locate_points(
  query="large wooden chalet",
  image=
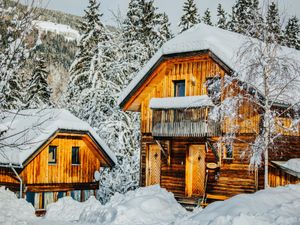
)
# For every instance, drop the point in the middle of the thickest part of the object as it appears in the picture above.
(48, 154)
(178, 140)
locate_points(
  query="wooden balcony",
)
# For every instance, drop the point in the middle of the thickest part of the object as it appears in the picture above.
(191, 122)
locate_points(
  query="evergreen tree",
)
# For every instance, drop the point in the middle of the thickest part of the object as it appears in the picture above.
(239, 16)
(222, 20)
(15, 26)
(247, 19)
(190, 16)
(273, 24)
(145, 27)
(92, 34)
(39, 92)
(291, 33)
(207, 17)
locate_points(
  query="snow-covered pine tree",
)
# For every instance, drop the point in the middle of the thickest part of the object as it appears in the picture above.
(291, 33)
(190, 16)
(207, 17)
(145, 28)
(39, 92)
(164, 33)
(222, 19)
(92, 34)
(273, 24)
(15, 26)
(152, 23)
(247, 18)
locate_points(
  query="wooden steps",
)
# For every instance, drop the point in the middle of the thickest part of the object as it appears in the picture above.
(189, 203)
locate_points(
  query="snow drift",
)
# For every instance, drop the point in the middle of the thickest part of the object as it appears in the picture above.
(147, 205)
(267, 207)
(13, 210)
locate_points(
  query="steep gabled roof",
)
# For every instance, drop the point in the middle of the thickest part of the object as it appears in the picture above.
(26, 131)
(222, 44)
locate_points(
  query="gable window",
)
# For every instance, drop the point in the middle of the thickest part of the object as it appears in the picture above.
(52, 154)
(179, 88)
(75, 156)
(228, 151)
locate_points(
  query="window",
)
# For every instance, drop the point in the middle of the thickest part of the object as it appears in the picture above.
(75, 155)
(179, 88)
(228, 151)
(52, 154)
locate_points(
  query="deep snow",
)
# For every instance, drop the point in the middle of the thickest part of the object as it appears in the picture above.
(155, 206)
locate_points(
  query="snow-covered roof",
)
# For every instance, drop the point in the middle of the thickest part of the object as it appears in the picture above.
(292, 166)
(180, 102)
(28, 130)
(222, 43)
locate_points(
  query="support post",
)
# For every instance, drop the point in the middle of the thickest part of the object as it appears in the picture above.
(20, 179)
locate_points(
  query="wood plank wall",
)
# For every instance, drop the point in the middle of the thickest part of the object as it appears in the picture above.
(39, 171)
(193, 70)
(233, 177)
(278, 177)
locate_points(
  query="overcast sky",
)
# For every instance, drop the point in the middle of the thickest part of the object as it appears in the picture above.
(172, 7)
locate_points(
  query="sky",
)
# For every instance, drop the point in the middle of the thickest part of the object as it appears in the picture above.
(172, 7)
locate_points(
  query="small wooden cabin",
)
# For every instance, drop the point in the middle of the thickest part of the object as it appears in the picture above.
(179, 146)
(48, 154)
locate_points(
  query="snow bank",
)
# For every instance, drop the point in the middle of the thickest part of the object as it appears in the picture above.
(67, 209)
(267, 207)
(148, 205)
(293, 164)
(14, 211)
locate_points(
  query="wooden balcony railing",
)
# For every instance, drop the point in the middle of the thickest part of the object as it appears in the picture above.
(192, 122)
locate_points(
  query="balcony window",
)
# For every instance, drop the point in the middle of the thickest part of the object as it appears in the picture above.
(179, 88)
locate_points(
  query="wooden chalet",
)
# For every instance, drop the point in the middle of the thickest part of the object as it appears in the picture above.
(179, 147)
(48, 154)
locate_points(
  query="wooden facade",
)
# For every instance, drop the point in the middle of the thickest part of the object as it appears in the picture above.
(192, 163)
(44, 181)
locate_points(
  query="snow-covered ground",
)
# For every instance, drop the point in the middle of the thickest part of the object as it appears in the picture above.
(65, 30)
(155, 206)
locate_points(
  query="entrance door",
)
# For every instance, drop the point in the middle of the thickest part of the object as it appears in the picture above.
(153, 165)
(195, 170)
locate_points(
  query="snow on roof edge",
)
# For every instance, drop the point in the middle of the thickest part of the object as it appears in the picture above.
(181, 102)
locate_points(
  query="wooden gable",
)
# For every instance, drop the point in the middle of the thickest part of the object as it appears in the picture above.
(194, 68)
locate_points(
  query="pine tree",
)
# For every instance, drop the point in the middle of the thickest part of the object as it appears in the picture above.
(145, 27)
(15, 27)
(222, 20)
(291, 33)
(247, 19)
(207, 17)
(239, 16)
(190, 16)
(39, 92)
(273, 24)
(92, 34)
